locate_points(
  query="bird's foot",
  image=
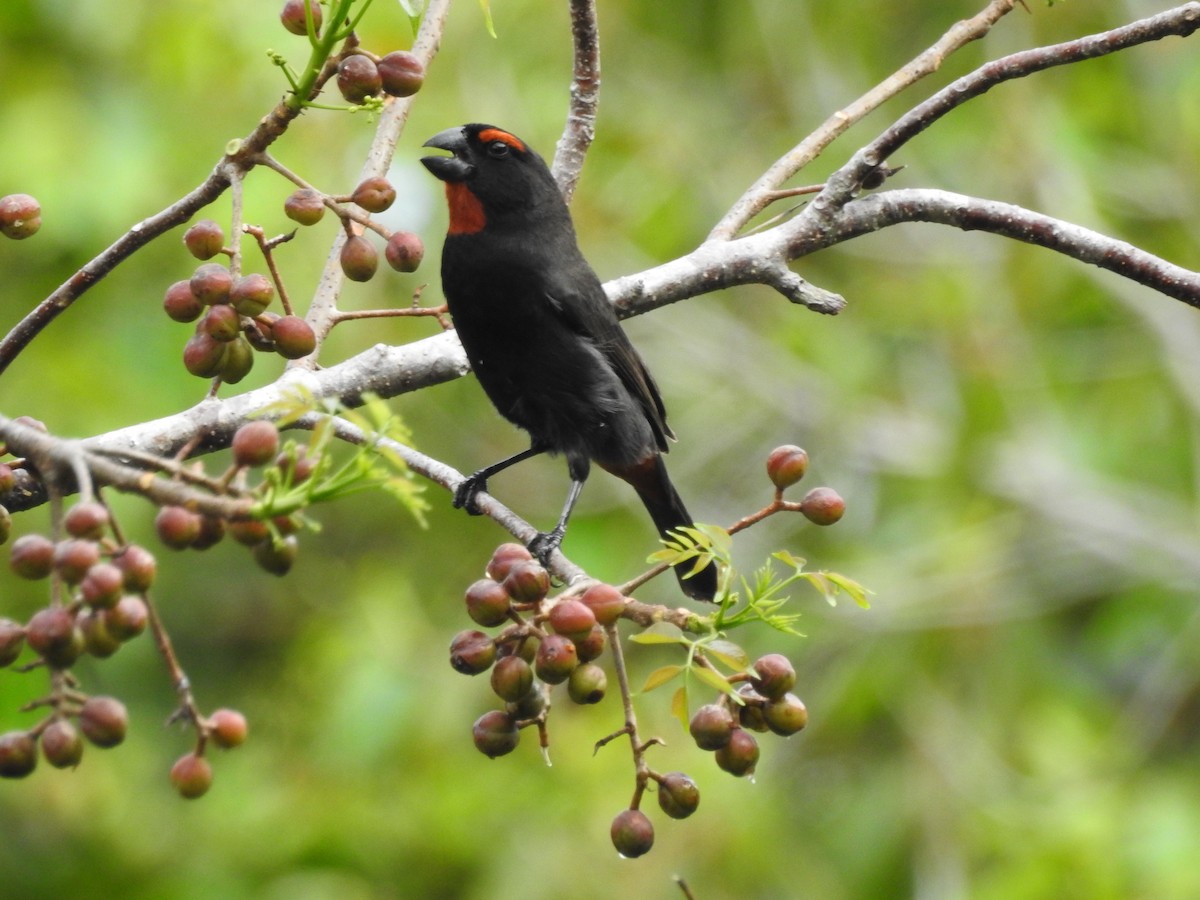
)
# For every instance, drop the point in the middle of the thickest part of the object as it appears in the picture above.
(466, 492)
(544, 545)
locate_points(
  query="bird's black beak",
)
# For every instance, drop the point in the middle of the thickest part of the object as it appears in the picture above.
(449, 168)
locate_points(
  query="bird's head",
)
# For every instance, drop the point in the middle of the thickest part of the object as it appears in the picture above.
(489, 172)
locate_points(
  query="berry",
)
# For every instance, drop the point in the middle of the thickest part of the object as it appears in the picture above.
(527, 582)
(293, 337)
(203, 355)
(571, 618)
(74, 557)
(12, 639)
(532, 705)
(18, 754)
(305, 207)
(249, 532)
(222, 323)
(104, 721)
(212, 530)
(53, 635)
(472, 652)
(20, 216)
(98, 641)
(180, 304)
(786, 465)
(487, 602)
(711, 726)
(137, 565)
(7, 479)
(102, 586)
(740, 755)
(786, 716)
(128, 618)
(605, 602)
(192, 776)
(404, 251)
(632, 833)
(512, 678)
(503, 559)
(205, 239)
(495, 733)
(62, 744)
(358, 78)
(359, 258)
(374, 194)
(252, 294)
(32, 556)
(592, 646)
(293, 16)
(587, 684)
(210, 283)
(237, 361)
(177, 527)
(276, 556)
(401, 73)
(229, 728)
(86, 520)
(750, 713)
(556, 658)
(678, 795)
(773, 676)
(822, 506)
(255, 443)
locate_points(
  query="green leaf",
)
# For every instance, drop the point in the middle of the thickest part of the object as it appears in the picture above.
(679, 706)
(729, 653)
(657, 635)
(713, 679)
(858, 593)
(660, 676)
(787, 558)
(486, 6)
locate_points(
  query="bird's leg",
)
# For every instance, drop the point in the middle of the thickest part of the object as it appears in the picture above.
(469, 487)
(547, 542)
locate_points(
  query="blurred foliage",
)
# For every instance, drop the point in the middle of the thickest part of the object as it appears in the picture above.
(1015, 435)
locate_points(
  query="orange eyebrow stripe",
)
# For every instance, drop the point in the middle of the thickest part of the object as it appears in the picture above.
(495, 134)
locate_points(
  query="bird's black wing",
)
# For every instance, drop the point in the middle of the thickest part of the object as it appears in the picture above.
(575, 294)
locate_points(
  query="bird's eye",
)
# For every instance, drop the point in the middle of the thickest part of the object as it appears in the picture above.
(498, 149)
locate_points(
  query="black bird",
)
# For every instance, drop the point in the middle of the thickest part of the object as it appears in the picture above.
(541, 335)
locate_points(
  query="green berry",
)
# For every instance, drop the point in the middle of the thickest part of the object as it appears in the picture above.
(786, 716)
(587, 684)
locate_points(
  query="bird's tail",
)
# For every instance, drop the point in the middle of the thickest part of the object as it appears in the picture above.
(653, 486)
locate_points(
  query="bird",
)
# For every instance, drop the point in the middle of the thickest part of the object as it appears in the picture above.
(542, 337)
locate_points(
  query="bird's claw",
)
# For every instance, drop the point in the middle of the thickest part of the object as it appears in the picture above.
(466, 492)
(545, 543)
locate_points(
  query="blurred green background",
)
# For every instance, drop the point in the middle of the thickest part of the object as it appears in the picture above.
(1015, 435)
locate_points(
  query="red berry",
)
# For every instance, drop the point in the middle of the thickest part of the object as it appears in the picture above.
(786, 716)
(251, 294)
(181, 304)
(104, 721)
(18, 754)
(711, 726)
(12, 639)
(32, 556)
(504, 557)
(177, 527)
(786, 465)
(228, 728)
(632, 833)
(210, 283)
(404, 251)
(773, 676)
(472, 652)
(401, 73)
(101, 587)
(205, 239)
(359, 258)
(305, 206)
(374, 194)
(512, 678)
(222, 323)
(293, 337)
(605, 602)
(487, 602)
(203, 355)
(86, 520)
(678, 795)
(128, 618)
(192, 776)
(62, 744)
(527, 582)
(20, 216)
(740, 755)
(255, 443)
(293, 17)
(556, 658)
(358, 78)
(572, 618)
(495, 733)
(138, 566)
(822, 506)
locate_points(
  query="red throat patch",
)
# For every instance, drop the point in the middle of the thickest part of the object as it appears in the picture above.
(466, 212)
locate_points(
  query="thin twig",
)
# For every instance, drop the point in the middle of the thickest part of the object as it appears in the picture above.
(580, 127)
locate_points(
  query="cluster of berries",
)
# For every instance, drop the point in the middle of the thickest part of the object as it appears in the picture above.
(538, 648)
(273, 544)
(231, 315)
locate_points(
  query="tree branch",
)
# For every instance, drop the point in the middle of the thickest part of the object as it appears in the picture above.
(580, 128)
